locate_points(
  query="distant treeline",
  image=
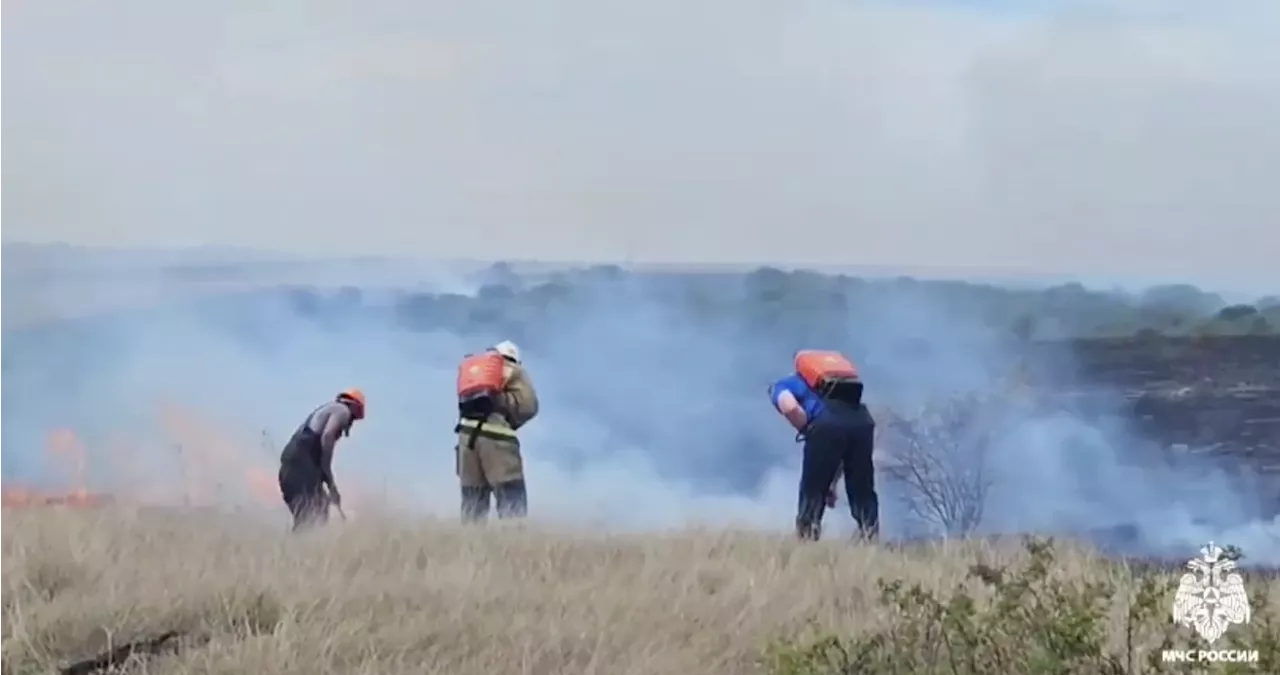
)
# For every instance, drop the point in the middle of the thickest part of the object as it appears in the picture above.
(776, 299)
(766, 301)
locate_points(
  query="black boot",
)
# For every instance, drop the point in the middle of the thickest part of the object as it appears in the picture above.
(475, 504)
(808, 530)
(868, 533)
(513, 499)
(866, 512)
(809, 516)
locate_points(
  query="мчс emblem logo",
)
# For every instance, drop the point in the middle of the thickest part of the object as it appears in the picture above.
(1211, 597)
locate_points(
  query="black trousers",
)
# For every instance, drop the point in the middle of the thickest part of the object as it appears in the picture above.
(303, 492)
(302, 483)
(842, 438)
(302, 480)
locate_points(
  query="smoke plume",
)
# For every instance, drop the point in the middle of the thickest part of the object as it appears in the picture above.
(654, 411)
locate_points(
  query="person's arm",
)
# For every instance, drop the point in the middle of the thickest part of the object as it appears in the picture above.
(786, 403)
(334, 424)
(520, 401)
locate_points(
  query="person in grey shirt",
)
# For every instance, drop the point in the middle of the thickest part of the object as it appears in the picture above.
(306, 464)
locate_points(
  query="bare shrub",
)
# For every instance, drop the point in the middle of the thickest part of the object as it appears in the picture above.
(939, 454)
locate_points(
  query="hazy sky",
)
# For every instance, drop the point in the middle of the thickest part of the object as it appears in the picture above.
(1095, 137)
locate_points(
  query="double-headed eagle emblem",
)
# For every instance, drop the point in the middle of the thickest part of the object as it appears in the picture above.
(1211, 597)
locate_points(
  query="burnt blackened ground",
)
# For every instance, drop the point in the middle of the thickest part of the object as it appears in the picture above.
(1212, 403)
(1217, 396)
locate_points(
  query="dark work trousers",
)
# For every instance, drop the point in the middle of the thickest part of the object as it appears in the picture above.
(512, 497)
(301, 481)
(842, 437)
(476, 500)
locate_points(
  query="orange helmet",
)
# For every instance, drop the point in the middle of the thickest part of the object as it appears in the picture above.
(355, 396)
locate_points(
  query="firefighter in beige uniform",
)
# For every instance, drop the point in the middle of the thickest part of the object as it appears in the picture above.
(495, 399)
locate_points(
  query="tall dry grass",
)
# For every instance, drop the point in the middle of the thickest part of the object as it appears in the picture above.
(391, 596)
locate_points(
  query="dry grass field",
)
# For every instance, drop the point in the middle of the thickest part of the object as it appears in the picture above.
(393, 597)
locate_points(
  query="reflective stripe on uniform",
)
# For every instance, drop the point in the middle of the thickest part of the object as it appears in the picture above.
(489, 428)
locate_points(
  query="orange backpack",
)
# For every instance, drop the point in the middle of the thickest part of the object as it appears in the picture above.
(480, 381)
(829, 374)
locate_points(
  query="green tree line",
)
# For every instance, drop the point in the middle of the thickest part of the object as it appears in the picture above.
(769, 297)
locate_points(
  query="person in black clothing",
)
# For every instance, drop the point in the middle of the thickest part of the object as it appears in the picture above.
(822, 400)
(841, 440)
(306, 464)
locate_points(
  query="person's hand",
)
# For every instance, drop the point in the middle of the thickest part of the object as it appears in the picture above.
(335, 497)
(831, 498)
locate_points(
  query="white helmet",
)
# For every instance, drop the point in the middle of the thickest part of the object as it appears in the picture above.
(508, 349)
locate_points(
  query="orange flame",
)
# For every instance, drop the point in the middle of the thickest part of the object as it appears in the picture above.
(65, 445)
(216, 468)
(208, 454)
(211, 451)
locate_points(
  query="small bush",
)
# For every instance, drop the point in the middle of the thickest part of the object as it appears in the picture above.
(1029, 622)
(938, 455)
